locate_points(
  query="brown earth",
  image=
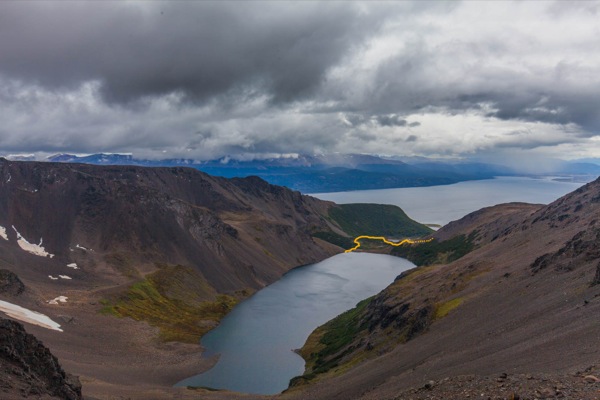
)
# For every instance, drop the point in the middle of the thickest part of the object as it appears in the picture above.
(524, 302)
(119, 224)
(28, 369)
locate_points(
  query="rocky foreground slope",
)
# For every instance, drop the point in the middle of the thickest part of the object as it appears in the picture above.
(96, 249)
(506, 305)
(28, 369)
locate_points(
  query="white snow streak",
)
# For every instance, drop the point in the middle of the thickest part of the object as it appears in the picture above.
(65, 277)
(83, 248)
(52, 277)
(72, 265)
(31, 317)
(3, 234)
(35, 249)
(61, 299)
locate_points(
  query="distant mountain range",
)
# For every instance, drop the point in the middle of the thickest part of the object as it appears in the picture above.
(340, 172)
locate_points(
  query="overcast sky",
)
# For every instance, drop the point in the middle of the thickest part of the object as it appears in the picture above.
(207, 79)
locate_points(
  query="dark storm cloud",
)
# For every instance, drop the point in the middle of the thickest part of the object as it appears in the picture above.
(391, 120)
(199, 49)
(387, 120)
(206, 79)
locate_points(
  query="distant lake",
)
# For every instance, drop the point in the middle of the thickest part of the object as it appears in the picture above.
(255, 341)
(442, 204)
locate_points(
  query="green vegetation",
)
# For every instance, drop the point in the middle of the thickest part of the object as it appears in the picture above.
(322, 346)
(443, 309)
(370, 219)
(177, 300)
(334, 238)
(436, 252)
(376, 220)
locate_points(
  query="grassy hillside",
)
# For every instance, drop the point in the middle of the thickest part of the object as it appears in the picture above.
(376, 219)
(436, 252)
(370, 219)
(175, 299)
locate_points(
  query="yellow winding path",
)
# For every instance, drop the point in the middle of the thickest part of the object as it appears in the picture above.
(384, 240)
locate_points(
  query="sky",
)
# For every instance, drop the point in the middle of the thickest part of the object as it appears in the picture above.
(202, 80)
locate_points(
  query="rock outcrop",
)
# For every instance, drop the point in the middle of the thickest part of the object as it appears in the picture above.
(10, 284)
(29, 370)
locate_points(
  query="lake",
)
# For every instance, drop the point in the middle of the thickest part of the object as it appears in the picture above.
(256, 340)
(442, 204)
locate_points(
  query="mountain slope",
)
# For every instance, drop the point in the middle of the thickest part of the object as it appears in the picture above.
(28, 369)
(134, 264)
(523, 300)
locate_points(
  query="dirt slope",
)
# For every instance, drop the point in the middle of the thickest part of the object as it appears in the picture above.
(137, 263)
(524, 300)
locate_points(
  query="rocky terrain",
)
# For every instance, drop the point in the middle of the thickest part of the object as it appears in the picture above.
(133, 264)
(511, 289)
(28, 369)
(129, 266)
(580, 385)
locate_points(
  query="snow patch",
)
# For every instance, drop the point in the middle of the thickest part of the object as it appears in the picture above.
(73, 265)
(31, 317)
(36, 249)
(82, 248)
(52, 277)
(9, 178)
(59, 299)
(3, 234)
(65, 277)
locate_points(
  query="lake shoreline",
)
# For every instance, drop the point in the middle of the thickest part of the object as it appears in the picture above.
(281, 316)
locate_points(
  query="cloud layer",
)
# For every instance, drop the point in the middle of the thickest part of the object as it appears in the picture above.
(207, 79)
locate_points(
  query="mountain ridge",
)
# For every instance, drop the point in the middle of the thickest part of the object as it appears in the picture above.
(521, 300)
(343, 172)
(130, 257)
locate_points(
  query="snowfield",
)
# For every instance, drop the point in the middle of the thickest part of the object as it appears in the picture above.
(32, 317)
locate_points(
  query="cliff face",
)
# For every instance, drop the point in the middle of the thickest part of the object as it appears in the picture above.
(511, 288)
(28, 369)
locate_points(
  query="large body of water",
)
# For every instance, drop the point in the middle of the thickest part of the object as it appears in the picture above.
(442, 204)
(256, 339)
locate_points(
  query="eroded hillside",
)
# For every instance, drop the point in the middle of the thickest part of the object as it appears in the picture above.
(132, 265)
(508, 289)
